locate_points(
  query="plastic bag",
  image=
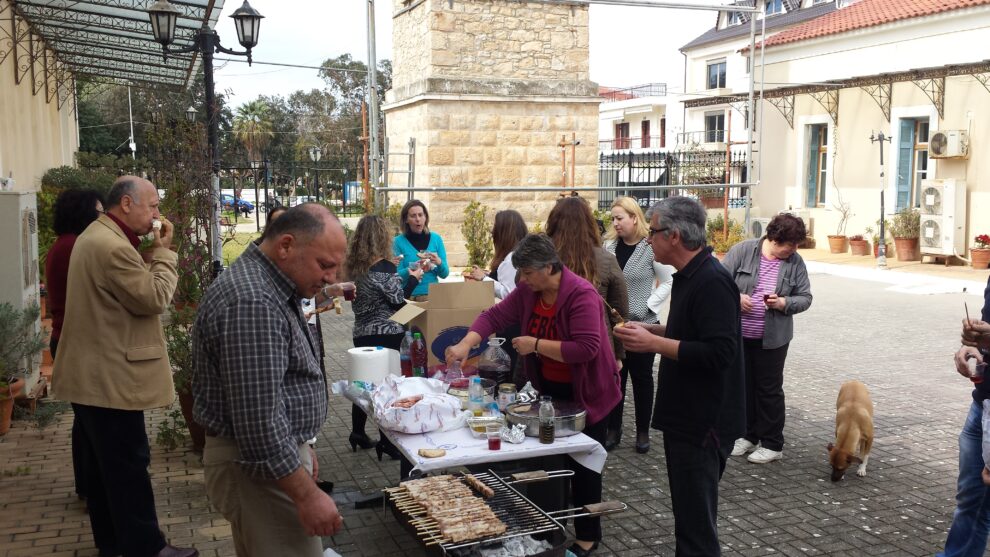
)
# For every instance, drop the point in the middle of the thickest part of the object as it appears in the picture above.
(433, 408)
(495, 363)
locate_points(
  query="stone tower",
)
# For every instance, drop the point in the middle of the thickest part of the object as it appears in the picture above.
(488, 88)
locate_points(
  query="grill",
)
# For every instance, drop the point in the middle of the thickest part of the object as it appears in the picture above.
(520, 515)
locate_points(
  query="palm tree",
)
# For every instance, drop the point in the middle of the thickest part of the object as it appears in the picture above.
(253, 128)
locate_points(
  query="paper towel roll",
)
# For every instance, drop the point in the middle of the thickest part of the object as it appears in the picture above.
(368, 364)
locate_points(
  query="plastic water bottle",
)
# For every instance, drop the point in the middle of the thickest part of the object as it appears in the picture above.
(405, 355)
(418, 354)
(476, 396)
(547, 415)
(454, 372)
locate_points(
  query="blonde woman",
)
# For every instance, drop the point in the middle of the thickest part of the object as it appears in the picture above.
(648, 284)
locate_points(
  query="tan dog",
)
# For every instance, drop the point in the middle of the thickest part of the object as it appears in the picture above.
(853, 430)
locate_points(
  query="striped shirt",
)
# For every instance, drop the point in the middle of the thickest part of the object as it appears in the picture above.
(766, 283)
(256, 367)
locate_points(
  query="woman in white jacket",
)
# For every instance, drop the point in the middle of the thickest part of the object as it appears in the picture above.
(648, 283)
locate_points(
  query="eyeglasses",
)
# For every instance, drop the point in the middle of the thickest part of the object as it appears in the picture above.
(658, 230)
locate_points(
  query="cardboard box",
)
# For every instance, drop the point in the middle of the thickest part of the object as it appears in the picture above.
(444, 320)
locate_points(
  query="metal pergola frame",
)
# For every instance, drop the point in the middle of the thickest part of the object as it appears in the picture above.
(56, 42)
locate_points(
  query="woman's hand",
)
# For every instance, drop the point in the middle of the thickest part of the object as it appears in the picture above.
(962, 356)
(418, 273)
(456, 353)
(478, 273)
(524, 345)
(778, 303)
(433, 257)
(745, 303)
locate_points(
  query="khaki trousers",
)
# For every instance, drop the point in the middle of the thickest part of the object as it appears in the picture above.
(263, 518)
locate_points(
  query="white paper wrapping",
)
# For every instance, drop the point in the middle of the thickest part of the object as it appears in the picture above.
(436, 411)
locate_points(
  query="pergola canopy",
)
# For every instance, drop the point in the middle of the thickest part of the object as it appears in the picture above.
(106, 41)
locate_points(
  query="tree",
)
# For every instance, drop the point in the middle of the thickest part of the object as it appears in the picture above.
(253, 127)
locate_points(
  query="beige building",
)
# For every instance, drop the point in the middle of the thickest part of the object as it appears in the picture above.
(906, 68)
(489, 89)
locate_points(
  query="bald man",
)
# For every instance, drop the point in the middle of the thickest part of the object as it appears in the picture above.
(259, 390)
(112, 364)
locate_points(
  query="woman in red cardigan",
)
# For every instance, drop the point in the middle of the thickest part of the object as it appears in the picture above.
(566, 350)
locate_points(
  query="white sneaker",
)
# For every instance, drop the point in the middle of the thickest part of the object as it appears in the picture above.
(742, 447)
(764, 455)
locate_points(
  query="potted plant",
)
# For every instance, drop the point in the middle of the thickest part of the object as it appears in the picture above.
(178, 340)
(859, 245)
(906, 229)
(716, 237)
(20, 342)
(875, 237)
(980, 253)
(838, 242)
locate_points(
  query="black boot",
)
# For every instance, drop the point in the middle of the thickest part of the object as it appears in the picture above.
(360, 440)
(384, 446)
(612, 439)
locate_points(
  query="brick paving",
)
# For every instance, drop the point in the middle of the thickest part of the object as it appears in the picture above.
(899, 344)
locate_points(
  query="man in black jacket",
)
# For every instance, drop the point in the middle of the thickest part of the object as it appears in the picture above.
(700, 396)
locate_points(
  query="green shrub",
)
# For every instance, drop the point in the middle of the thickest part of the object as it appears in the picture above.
(477, 235)
(906, 223)
(716, 237)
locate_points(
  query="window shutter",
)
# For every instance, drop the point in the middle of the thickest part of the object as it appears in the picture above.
(905, 152)
(812, 166)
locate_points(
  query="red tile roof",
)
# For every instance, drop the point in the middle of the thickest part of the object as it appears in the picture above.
(868, 13)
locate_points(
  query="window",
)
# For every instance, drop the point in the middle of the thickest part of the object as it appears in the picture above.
(733, 18)
(912, 161)
(817, 164)
(663, 132)
(716, 74)
(714, 127)
(622, 135)
(774, 7)
(644, 134)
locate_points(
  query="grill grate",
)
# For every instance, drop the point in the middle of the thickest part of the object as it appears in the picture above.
(521, 516)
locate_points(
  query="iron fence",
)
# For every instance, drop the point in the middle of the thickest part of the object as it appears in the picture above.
(611, 94)
(648, 177)
(619, 143)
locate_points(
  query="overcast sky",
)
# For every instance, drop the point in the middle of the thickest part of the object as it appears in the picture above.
(629, 45)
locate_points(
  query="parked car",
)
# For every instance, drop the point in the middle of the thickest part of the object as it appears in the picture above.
(243, 206)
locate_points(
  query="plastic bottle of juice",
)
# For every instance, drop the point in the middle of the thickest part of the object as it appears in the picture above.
(405, 355)
(547, 415)
(418, 354)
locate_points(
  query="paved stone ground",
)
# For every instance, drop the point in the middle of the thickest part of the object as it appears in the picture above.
(899, 344)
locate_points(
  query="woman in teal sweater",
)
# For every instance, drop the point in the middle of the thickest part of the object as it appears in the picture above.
(417, 245)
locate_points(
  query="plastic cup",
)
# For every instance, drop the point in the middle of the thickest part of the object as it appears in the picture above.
(414, 265)
(494, 434)
(977, 372)
(349, 290)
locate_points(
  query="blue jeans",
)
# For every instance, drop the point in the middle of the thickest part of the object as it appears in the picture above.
(971, 521)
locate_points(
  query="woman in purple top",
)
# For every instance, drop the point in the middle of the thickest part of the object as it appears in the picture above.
(773, 285)
(566, 350)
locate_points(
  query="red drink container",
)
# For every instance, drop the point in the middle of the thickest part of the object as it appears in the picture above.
(494, 443)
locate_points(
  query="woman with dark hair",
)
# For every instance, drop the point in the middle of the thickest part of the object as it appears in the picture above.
(417, 248)
(773, 285)
(74, 211)
(380, 293)
(508, 230)
(567, 353)
(574, 230)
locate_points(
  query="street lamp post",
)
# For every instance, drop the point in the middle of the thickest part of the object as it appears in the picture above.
(314, 155)
(163, 16)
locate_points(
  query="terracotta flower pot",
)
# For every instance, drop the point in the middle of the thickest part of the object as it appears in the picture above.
(859, 247)
(196, 431)
(907, 249)
(876, 249)
(980, 257)
(7, 404)
(838, 244)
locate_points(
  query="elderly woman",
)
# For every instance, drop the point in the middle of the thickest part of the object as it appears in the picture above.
(566, 349)
(773, 285)
(648, 284)
(418, 247)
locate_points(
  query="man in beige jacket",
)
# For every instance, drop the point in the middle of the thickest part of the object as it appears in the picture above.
(112, 364)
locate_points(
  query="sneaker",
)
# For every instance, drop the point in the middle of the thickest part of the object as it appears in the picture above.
(742, 447)
(764, 455)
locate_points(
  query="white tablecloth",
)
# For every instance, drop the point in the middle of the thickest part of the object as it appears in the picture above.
(463, 449)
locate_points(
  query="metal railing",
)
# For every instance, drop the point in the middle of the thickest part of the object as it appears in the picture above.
(701, 137)
(611, 94)
(620, 143)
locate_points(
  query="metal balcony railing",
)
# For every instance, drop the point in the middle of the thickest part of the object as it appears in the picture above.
(612, 94)
(620, 143)
(709, 136)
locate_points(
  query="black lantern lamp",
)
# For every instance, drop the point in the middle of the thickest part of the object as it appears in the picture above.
(248, 22)
(190, 114)
(163, 18)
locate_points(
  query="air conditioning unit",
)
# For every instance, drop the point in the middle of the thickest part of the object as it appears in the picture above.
(758, 227)
(943, 216)
(949, 144)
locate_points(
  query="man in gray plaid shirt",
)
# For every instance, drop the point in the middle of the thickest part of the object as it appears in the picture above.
(259, 391)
